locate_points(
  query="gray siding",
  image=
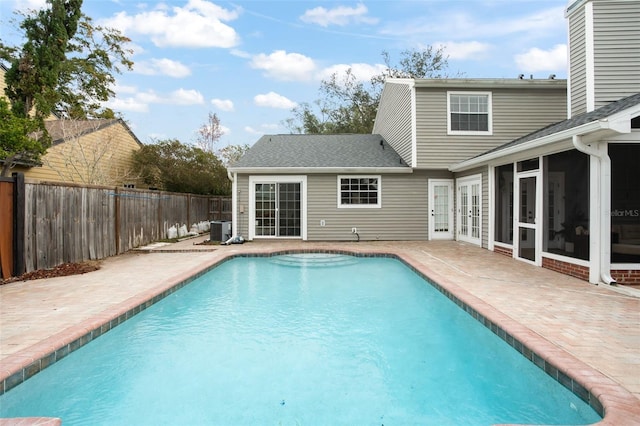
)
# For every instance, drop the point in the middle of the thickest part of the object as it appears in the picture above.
(243, 204)
(393, 120)
(616, 50)
(516, 112)
(577, 63)
(403, 215)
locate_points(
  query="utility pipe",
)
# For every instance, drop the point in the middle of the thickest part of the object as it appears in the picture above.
(603, 199)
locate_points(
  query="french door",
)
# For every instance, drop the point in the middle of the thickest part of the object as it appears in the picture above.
(470, 209)
(440, 209)
(277, 209)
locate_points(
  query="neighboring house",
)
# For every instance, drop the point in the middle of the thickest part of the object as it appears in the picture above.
(88, 152)
(495, 163)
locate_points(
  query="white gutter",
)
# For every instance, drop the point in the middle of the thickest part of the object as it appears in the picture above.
(600, 202)
(527, 146)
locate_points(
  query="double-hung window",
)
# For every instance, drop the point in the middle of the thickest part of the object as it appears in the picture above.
(469, 113)
(359, 191)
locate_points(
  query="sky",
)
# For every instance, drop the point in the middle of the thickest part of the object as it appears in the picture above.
(251, 61)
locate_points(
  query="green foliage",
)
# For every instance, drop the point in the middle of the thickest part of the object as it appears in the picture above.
(32, 79)
(350, 106)
(232, 153)
(172, 166)
(19, 141)
(65, 65)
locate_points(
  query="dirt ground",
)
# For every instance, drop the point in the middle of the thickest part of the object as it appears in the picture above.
(59, 271)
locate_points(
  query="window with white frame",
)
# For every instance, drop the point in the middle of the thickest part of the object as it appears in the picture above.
(358, 191)
(469, 113)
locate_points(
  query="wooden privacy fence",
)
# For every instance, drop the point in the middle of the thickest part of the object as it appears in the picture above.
(68, 223)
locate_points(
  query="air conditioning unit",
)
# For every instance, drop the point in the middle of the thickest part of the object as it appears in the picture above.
(221, 230)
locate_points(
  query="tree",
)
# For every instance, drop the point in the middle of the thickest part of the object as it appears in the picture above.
(173, 166)
(65, 65)
(349, 105)
(91, 153)
(209, 133)
(20, 141)
(232, 153)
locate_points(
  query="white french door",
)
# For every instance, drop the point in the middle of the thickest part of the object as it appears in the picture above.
(440, 209)
(469, 209)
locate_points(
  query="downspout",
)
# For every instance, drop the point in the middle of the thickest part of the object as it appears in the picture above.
(603, 195)
(234, 216)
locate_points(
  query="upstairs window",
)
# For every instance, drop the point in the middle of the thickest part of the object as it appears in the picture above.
(358, 191)
(469, 113)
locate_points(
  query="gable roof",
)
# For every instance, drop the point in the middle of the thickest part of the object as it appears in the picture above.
(596, 120)
(321, 153)
(62, 130)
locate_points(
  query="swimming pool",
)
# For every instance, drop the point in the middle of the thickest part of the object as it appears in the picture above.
(299, 339)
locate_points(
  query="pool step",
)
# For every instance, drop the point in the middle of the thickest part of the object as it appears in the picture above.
(314, 259)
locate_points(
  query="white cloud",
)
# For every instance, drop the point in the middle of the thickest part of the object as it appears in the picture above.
(127, 104)
(362, 72)
(185, 97)
(253, 131)
(281, 65)
(340, 16)
(274, 100)
(223, 104)
(24, 5)
(535, 59)
(197, 24)
(137, 101)
(463, 50)
(162, 67)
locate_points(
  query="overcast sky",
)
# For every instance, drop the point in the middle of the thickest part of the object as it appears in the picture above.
(251, 62)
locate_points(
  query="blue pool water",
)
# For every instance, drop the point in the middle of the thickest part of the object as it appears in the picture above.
(299, 340)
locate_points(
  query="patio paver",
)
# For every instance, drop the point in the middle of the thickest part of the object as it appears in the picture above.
(590, 332)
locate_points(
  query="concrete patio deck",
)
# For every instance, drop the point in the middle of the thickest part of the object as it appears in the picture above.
(591, 334)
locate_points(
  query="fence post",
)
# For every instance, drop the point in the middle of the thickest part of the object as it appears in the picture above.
(117, 219)
(18, 223)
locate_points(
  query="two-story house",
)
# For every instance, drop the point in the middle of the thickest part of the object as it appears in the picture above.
(495, 163)
(393, 184)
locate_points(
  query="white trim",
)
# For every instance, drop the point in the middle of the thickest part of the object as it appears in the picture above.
(234, 206)
(469, 180)
(414, 128)
(301, 179)
(432, 235)
(487, 132)
(491, 181)
(359, 206)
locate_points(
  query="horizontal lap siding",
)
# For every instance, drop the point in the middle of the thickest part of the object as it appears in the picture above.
(616, 50)
(515, 113)
(403, 215)
(242, 203)
(393, 120)
(577, 63)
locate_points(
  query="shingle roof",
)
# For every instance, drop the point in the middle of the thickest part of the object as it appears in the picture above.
(61, 130)
(588, 117)
(320, 151)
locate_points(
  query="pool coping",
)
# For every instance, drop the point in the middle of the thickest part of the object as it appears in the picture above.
(613, 402)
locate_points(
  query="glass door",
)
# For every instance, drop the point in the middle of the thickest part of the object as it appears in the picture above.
(527, 217)
(277, 209)
(470, 209)
(440, 209)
